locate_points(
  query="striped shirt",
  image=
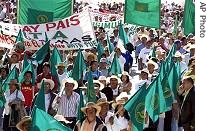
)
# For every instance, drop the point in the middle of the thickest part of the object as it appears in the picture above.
(68, 107)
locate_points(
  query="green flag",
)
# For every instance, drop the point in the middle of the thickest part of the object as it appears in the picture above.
(80, 114)
(136, 107)
(155, 102)
(115, 66)
(40, 100)
(19, 37)
(28, 68)
(153, 52)
(25, 61)
(2, 98)
(189, 17)
(169, 58)
(40, 54)
(79, 66)
(175, 30)
(43, 11)
(91, 94)
(100, 50)
(122, 35)
(46, 37)
(41, 121)
(12, 75)
(143, 12)
(110, 47)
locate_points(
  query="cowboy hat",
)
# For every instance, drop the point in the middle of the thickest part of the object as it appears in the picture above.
(123, 95)
(153, 63)
(145, 70)
(113, 77)
(95, 82)
(102, 101)
(70, 80)
(61, 118)
(23, 120)
(125, 73)
(61, 64)
(91, 105)
(119, 102)
(51, 82)
(178, 54)
(102, 78)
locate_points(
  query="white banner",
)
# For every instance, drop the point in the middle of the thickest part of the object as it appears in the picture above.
(73, 32)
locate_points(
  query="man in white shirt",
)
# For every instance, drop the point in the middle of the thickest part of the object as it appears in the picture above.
(143, 53)
(61, 72)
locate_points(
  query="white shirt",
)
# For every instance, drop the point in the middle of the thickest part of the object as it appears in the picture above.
(184, 67)
(47, 101)
(140, 83)
(62, 77)
(3, 13)
(143, 53)
(123, 123)
(10, 97)
(115, 126)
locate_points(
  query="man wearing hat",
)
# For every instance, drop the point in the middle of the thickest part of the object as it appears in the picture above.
(178, 57)
(103, 67)
(143, 77)
(46, 74)
(114, 85)
(152, 67)
(187, 115)
(68, 100)
(91, 122)
(61, 71)
(24, 124)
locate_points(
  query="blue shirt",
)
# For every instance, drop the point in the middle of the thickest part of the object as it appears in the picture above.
(95, 74)
(128, 58)
(139, 48)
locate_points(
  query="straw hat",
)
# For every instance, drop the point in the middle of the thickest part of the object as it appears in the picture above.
(61, 118)
(95, 82)
(61, 64)
(125, 73)
(119, 102)
(103, 78)
(91, 105)
(102, 101)
(113, 77)
(23, 120)
(70, 80)
(153, 63)
(51, 82)
(178, 54)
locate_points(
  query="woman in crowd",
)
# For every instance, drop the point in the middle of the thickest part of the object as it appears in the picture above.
(125, 85)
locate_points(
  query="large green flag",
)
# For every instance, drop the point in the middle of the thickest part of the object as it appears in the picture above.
(110, 47)
(169, 58)
(80, 114)
(153, 52)
(79, 66)
(115, 66)
(123, 35)
(40, 54)
(40, 100)
(136, 107)
(2, 98)
(25, 61)
(155, 101)
(100, 50)
(189, 17)
(91, 94)
(41, 121)
(12, 75)
(143, 12)
(28, 68)
(43, 11)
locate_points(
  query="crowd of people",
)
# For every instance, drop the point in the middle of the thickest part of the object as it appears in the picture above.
(112, 91)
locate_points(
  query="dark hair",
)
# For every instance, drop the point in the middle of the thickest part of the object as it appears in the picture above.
(92, 62)
(126, 115)
(190, 80)
(28, 72)
(127, 77)
(4, 68)
(47, 64)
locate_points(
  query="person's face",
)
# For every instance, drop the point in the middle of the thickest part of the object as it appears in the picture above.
(121, 110)
(46, 70)
(46, 87)
(186, 84)
(103, 65)
(115, 32)
(114, 83)
(103, 82)
(118, 51)
(91, 114)
(90, 58)
(143, 76)
(178, 46)
(12, 87)
(150, 67)
(144, 39)
(142, 29)
(126, 30)
(3, 73)
(69, 87)
(27, 77)
(61, 69)
(148, 44)
(104, 108)
(124, 78)
(94, 66)
(14, 59)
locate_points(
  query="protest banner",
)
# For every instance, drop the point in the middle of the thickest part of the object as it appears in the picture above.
(73, 32)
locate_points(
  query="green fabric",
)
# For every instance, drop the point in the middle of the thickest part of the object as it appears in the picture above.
(169, 58)
(110, 47)
(153, 52)
(143, 12)
(40, 100)
(40, 54)
(189, 17)
(123, 36)
(115, 66)
(25, 61)
(79, 66)
(91, 94)
(43, 11)
(41, 121)
(19, 37)
(136, 107)
(2, 98)
(28, 68)
(155, 101)
(80, 114)
(175, 31)
(46, 37)
(100, 50)
(12, 75)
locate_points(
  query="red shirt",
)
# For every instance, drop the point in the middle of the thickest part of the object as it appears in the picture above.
(27, 93)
